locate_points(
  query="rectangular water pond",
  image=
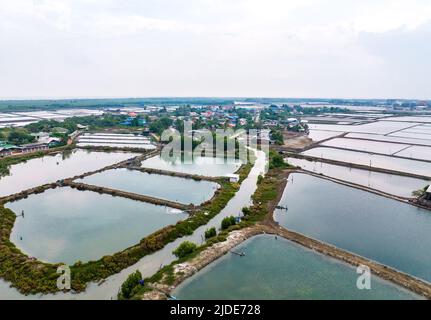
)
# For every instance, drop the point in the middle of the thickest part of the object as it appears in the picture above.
(67, 225)
(281, 270)
(385, 230)
(416, 152)
(366, 146)
(372, 160)
(50, 168)
(205, 166)
(187, 191)
(389, 183)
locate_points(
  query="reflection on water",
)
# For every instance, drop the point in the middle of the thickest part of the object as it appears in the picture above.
(51, 168)
(66, 225)
(150, 264)
(280, 269)
(388, 231)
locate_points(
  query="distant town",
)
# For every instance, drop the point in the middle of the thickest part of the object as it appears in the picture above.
(58, 123)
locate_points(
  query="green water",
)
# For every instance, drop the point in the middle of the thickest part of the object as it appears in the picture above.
(66, 225)
(385, 230)
(160, 186)
(280, 269)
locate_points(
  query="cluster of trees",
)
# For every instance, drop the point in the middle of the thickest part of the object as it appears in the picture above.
(129, 286)
(277, 136)
(16, 136)
(276, 160)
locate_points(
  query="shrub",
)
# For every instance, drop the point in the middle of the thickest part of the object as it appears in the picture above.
(130, 284)
(227, 222)
(184, 249)
(211, 232)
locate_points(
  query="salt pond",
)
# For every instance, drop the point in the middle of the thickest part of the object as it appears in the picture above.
(160, 186)
(280, 269)
(416, 152)
(67, 225)
(206, 166)
(389, 183)
(372, 160)
(114, 144)
(50, 168)
(319, 135)
(385, 230)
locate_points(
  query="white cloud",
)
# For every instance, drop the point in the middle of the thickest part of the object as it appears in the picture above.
(211, 47)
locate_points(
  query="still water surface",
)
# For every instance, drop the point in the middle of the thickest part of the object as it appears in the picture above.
(385, 230)
(155, 185)
(280, 269)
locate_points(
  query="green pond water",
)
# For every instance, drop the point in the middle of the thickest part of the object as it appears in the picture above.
(280, 269)
(206, 166)
(385, 230)
(160, 186)
(67, 225)
(50, 168)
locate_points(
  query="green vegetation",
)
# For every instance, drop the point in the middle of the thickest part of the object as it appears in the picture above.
(276, 160)
(227, 222)
(129, 286)
(245, 211)
(211, 232)
(6, 162)
(419, 193)
(184, 249)
(277, 136)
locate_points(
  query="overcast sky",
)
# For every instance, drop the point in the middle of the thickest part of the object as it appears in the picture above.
(266, 48)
